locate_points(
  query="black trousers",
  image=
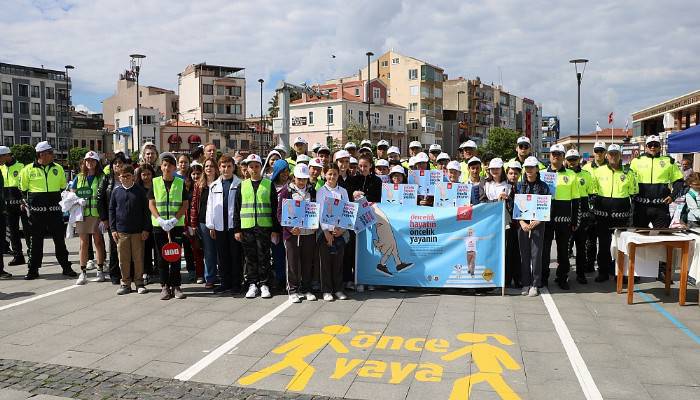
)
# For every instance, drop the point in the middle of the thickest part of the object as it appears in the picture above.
(300, 252)
(657, 215)
(149, 256)
(115, 273)
(591, 246)
(604, 232)
(349, 259)
(580, 236)
(331, 266)
(2, 229)
(51, 224)
(228, 251)
(256, 250)
(169, 271)
(513, 268)
(562, 233)
(12, 217)
(531, 256)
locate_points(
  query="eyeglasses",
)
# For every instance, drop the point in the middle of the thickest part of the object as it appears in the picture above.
(523, 146)
(598, 151)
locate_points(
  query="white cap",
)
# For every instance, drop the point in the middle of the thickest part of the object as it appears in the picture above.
(558, 148)
(280, 147)
(572, 153)
(303, 158)
(366, 148)
(531, 162)
(350, 145)
(421, 157)
(496, 163)
(653, 138)
(411, 162)
(394, 150)
(315, 147)
(323, 147)
(382, 143)
(614, 147)
(382, 163)
(414, 143)
(301, 171)
(474, 160)
(366, 142)
(4, 150)
(196, 163)
(443, 156)
(43, 146)
(299, 139)
(316, 162)
(514, 164)
(599, 145)
(353, 160)
(397, 169)
(253, 158)
(341, 154)
(468, 144)
(523, 139)
(454, 165)
(92, 155)
(435, 147)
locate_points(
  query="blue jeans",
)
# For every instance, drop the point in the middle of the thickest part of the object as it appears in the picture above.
(209, 248)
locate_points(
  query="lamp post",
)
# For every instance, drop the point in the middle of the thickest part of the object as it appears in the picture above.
(459, 93)
(261, 80)
(369, 100)
(70, 131)
(579, 76)
(136, 60)
(328, 122)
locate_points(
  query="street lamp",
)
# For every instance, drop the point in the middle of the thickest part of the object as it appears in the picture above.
(461, 92)
(579, 76)
(328, 122)
(369, 101)
(261, 80)
(67, 67)
(136, 60)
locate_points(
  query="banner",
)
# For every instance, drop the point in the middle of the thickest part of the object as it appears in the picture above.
(299, 214)
(365, 215)
(532, 207)
(449, 194)
(394, 193)
(426, 180)
(418, 246)
(550, 178)
(339, 213)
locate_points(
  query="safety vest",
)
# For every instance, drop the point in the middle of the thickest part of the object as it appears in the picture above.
(586, 184)
(592, 166)
(11, 174)
(656, 170)
(256, 209)
(90, 208)
(567, 185)
(36, 178)
(168, 202)
(616, 184)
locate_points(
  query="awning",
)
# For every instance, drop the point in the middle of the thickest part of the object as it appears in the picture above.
(174, 138)
(685, 141)
(194, 139)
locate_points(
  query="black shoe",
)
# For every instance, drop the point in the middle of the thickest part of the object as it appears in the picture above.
(69, 272)
(563, 284)
(582, 280)
(222, 289)
(31, 275)
(5, 276)
(403, 266)
(601, 278)
(382, 269)
(115, 281)
(661, 277)
(16, 261)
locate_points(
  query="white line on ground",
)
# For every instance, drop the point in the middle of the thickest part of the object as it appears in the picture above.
(38, 297)
(215, 354)
(590, 390)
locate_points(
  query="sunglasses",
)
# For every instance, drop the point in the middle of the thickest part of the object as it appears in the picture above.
(557, 154)
(523, 146)
(653, 145)
(598, 151)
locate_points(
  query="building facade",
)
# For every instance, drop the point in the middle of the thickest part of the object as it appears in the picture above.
(34, 106)
(182, 137)
(214, 97)
(607, 135)
(685, 111)
(129, 136)
(88, 132)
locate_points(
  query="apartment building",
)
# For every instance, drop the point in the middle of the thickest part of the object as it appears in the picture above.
(213, 96)
(529, 122)
(163, 100)
(34, 106)
(88, 132)
(130, 136)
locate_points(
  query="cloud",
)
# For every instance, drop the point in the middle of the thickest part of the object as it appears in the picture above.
(84, 108)
(639, 50)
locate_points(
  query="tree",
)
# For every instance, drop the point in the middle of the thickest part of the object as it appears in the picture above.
(355, 132)
(75, 155)
(501, 143)
(23, 153)
(273, 108)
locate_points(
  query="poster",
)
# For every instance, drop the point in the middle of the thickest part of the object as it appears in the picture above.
(532, 207)
(433, 247)
(399, 194)
(550, 178)
(452, 194)
(339, 213)
(299, 214)
(365, 215)
(421, 179)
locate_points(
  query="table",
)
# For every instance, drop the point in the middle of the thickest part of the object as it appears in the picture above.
(634, 241)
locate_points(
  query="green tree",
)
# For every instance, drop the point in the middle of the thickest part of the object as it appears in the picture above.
(75, 155)
(23, 153)
(355, 132)
(135, 156)
(273, 108)
(501, 143)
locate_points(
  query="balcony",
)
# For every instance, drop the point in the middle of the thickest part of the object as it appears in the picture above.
(224, 99)
(427, 113)
(388, 129)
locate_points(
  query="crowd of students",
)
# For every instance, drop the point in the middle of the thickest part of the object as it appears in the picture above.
(224, 212)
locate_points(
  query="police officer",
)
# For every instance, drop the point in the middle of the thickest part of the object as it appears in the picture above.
(11, 169)
(4, 275)
(299, 147)
(585, 179)
(433, 153)
(564, 217)
(655, 175)
(467, 150)
(599, 159)
(523, 149)
(43, 181)
(613, 187)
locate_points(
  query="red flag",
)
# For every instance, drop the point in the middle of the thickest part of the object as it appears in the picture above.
(610, 118)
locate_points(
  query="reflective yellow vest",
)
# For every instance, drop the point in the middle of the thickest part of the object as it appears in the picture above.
(11, 174)
(616, 184)
(90, 208)
(256, 209)
(168, 202)
(36, 178)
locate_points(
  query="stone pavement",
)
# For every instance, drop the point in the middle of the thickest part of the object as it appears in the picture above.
(396, 345)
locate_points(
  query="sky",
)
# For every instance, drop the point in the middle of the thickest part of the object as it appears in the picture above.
(641, 52)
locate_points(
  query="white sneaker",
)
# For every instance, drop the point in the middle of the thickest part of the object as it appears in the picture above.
(294, 298)
(341, 296)
(328, 297)
(265, 292)
(526, 290)
(360, 288)
(91, 264)
(145, 279)
(82, 279)
(252, 291)
(533, 292)
(141, 290)
(100, 277)
(371, 288)
(310, 296)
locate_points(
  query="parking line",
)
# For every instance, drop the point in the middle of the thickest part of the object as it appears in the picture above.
(215, 354)
(38, 297)
(670, 317)
(590, 389)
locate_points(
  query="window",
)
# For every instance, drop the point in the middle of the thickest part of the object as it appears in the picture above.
(388, 75)
(376, 118)
(8, 124)
(438, 126)
(414, 125)
(357, 92)
(7, 88)
(414, 90)
(36, 125)
(376, 93)
(385, 63)
(394, 61)
(208, 107)
(131, 120)
(99, 144)
(24, 125)
(425, 91)
(9, 141)
(232, 143)
(207, 89)
(238, 109)
(50, 109)
(92, 144)
(147, 120)
(329, 115)
(24, 139)
(36, 109)
(50, 94)
(412, 106)
(412, 74)
(217, 143)
(23, 107)
(51, 126)
(437, 92)
(23, 90)
(361, 118)
(245, 144)
(399, 123)
(52, 141)
(236, 90)
(116, 125)
(220, 90)
(7, 106)
(391, 119)
(311, 117)
(221, 108)
(35, 91)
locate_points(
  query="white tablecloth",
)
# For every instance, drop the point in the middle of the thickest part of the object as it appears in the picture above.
(647, 259)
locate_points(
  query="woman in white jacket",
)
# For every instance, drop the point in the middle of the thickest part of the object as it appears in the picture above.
(219, 221)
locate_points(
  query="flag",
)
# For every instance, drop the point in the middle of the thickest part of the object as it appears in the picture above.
(597, 127)
(610, 118)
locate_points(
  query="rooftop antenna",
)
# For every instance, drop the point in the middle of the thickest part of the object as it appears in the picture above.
(500, 74)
